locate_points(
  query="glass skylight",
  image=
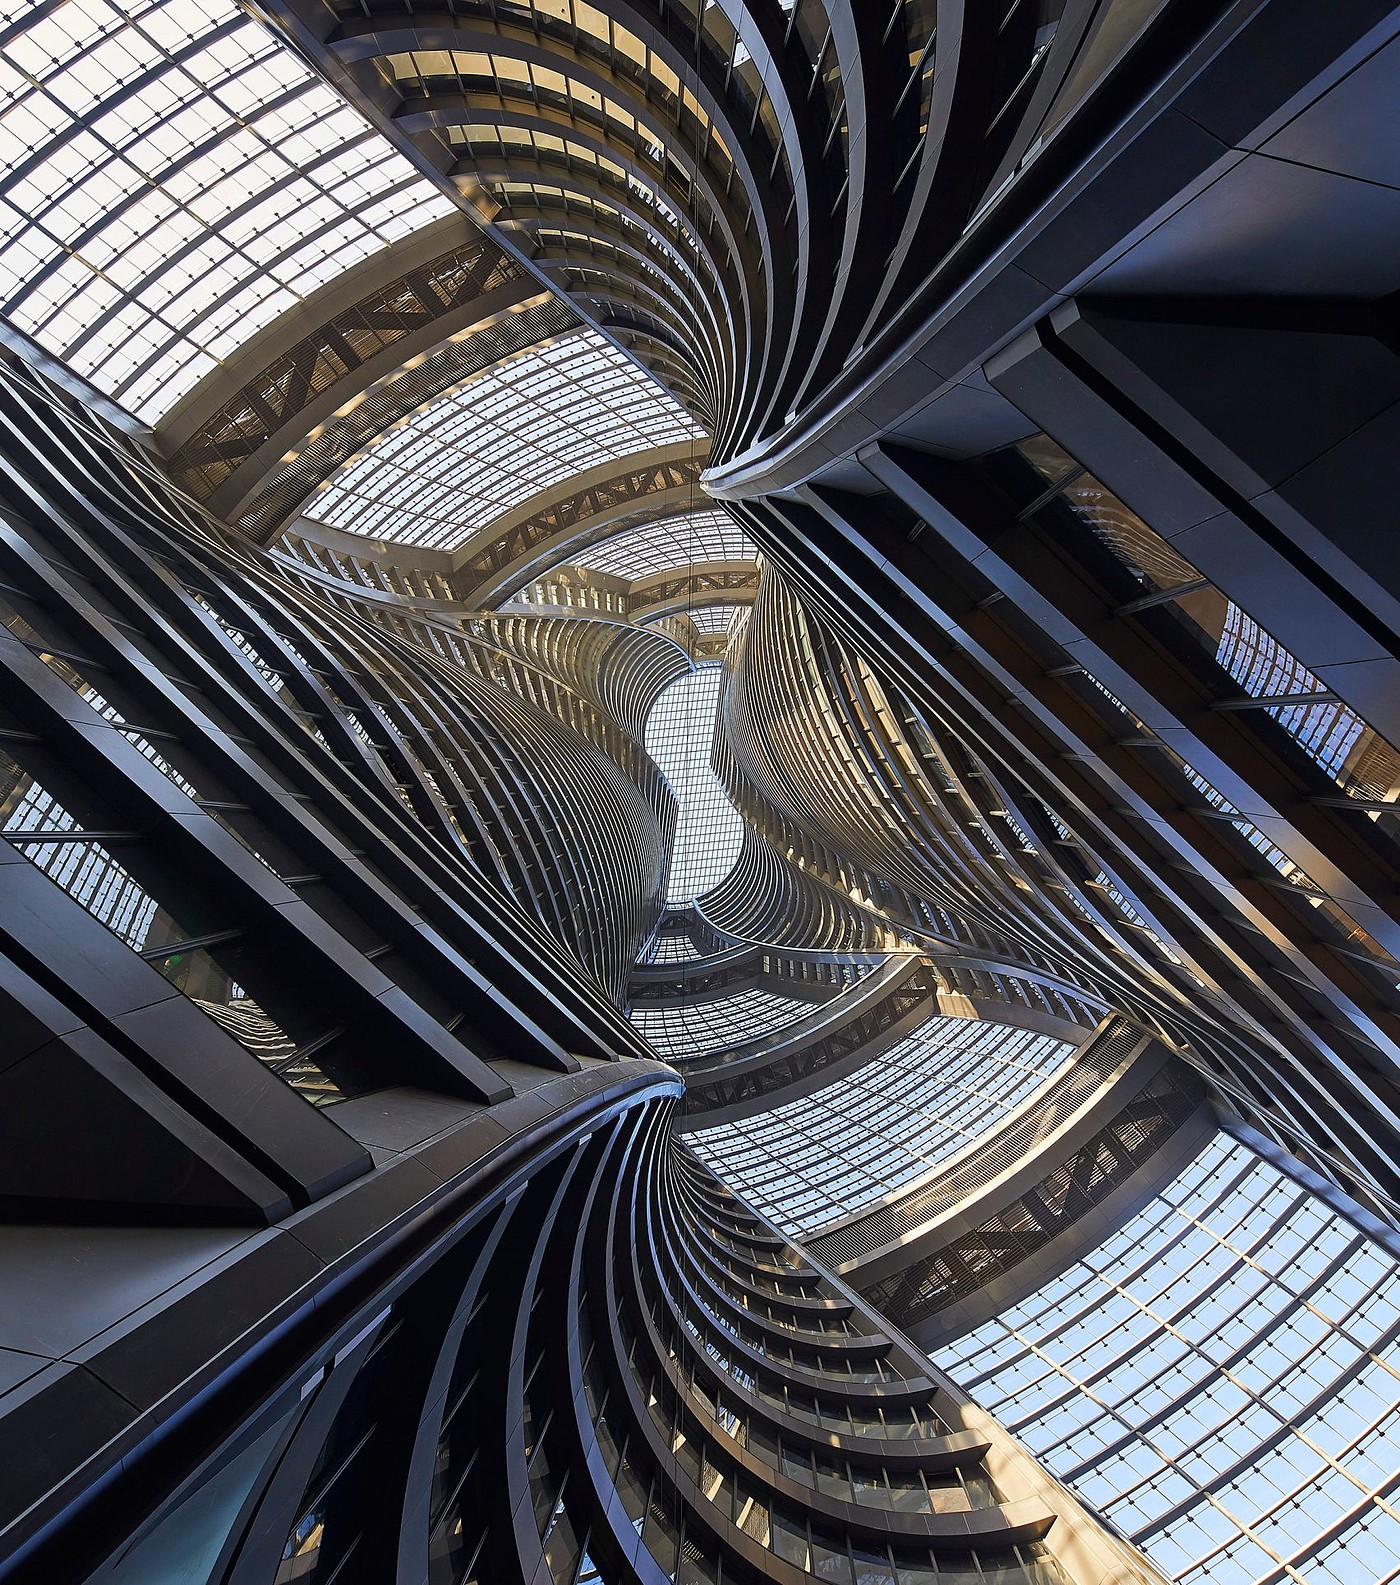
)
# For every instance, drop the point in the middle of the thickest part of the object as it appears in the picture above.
(455, 466)
(1221, 1378)
(833, 1153)
(176, 178)
(709, 830)
(711, 618)
(672, 542)
(683, 1030)
(672, 948)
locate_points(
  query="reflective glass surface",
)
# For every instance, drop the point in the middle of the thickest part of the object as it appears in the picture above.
(173, 934)
(1348, 749)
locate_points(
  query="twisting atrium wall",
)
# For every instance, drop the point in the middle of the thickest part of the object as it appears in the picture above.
(699, 751)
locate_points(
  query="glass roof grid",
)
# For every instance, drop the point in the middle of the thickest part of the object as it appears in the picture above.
(836, 1152)
(669, 542)
(474, 453)
(177, 179)
(680, 1032)
(672, 948)
(711, 618)
(1220, 1377)
(679, 736)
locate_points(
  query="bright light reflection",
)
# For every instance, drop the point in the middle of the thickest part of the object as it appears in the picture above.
(709, 829)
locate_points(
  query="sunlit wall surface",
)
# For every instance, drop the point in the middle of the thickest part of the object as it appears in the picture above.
(177, 178)
(834, 1153)
(709, 829)
(476, 452)
(1220, 1379)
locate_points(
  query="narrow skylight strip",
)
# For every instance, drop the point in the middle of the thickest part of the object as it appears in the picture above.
(709, 829)
(472, 454)
(172, 178)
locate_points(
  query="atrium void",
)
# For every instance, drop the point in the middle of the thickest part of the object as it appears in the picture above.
(699, 792)
(709, 829)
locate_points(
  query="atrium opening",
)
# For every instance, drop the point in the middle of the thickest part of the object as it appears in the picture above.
(699, 793)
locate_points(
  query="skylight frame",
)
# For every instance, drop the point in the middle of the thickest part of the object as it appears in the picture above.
(683, 1031)
(833, 1154)
(1219, 1377)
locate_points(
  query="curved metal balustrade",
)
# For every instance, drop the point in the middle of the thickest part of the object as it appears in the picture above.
(827, 227)
(378, 851)
(687, 174)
